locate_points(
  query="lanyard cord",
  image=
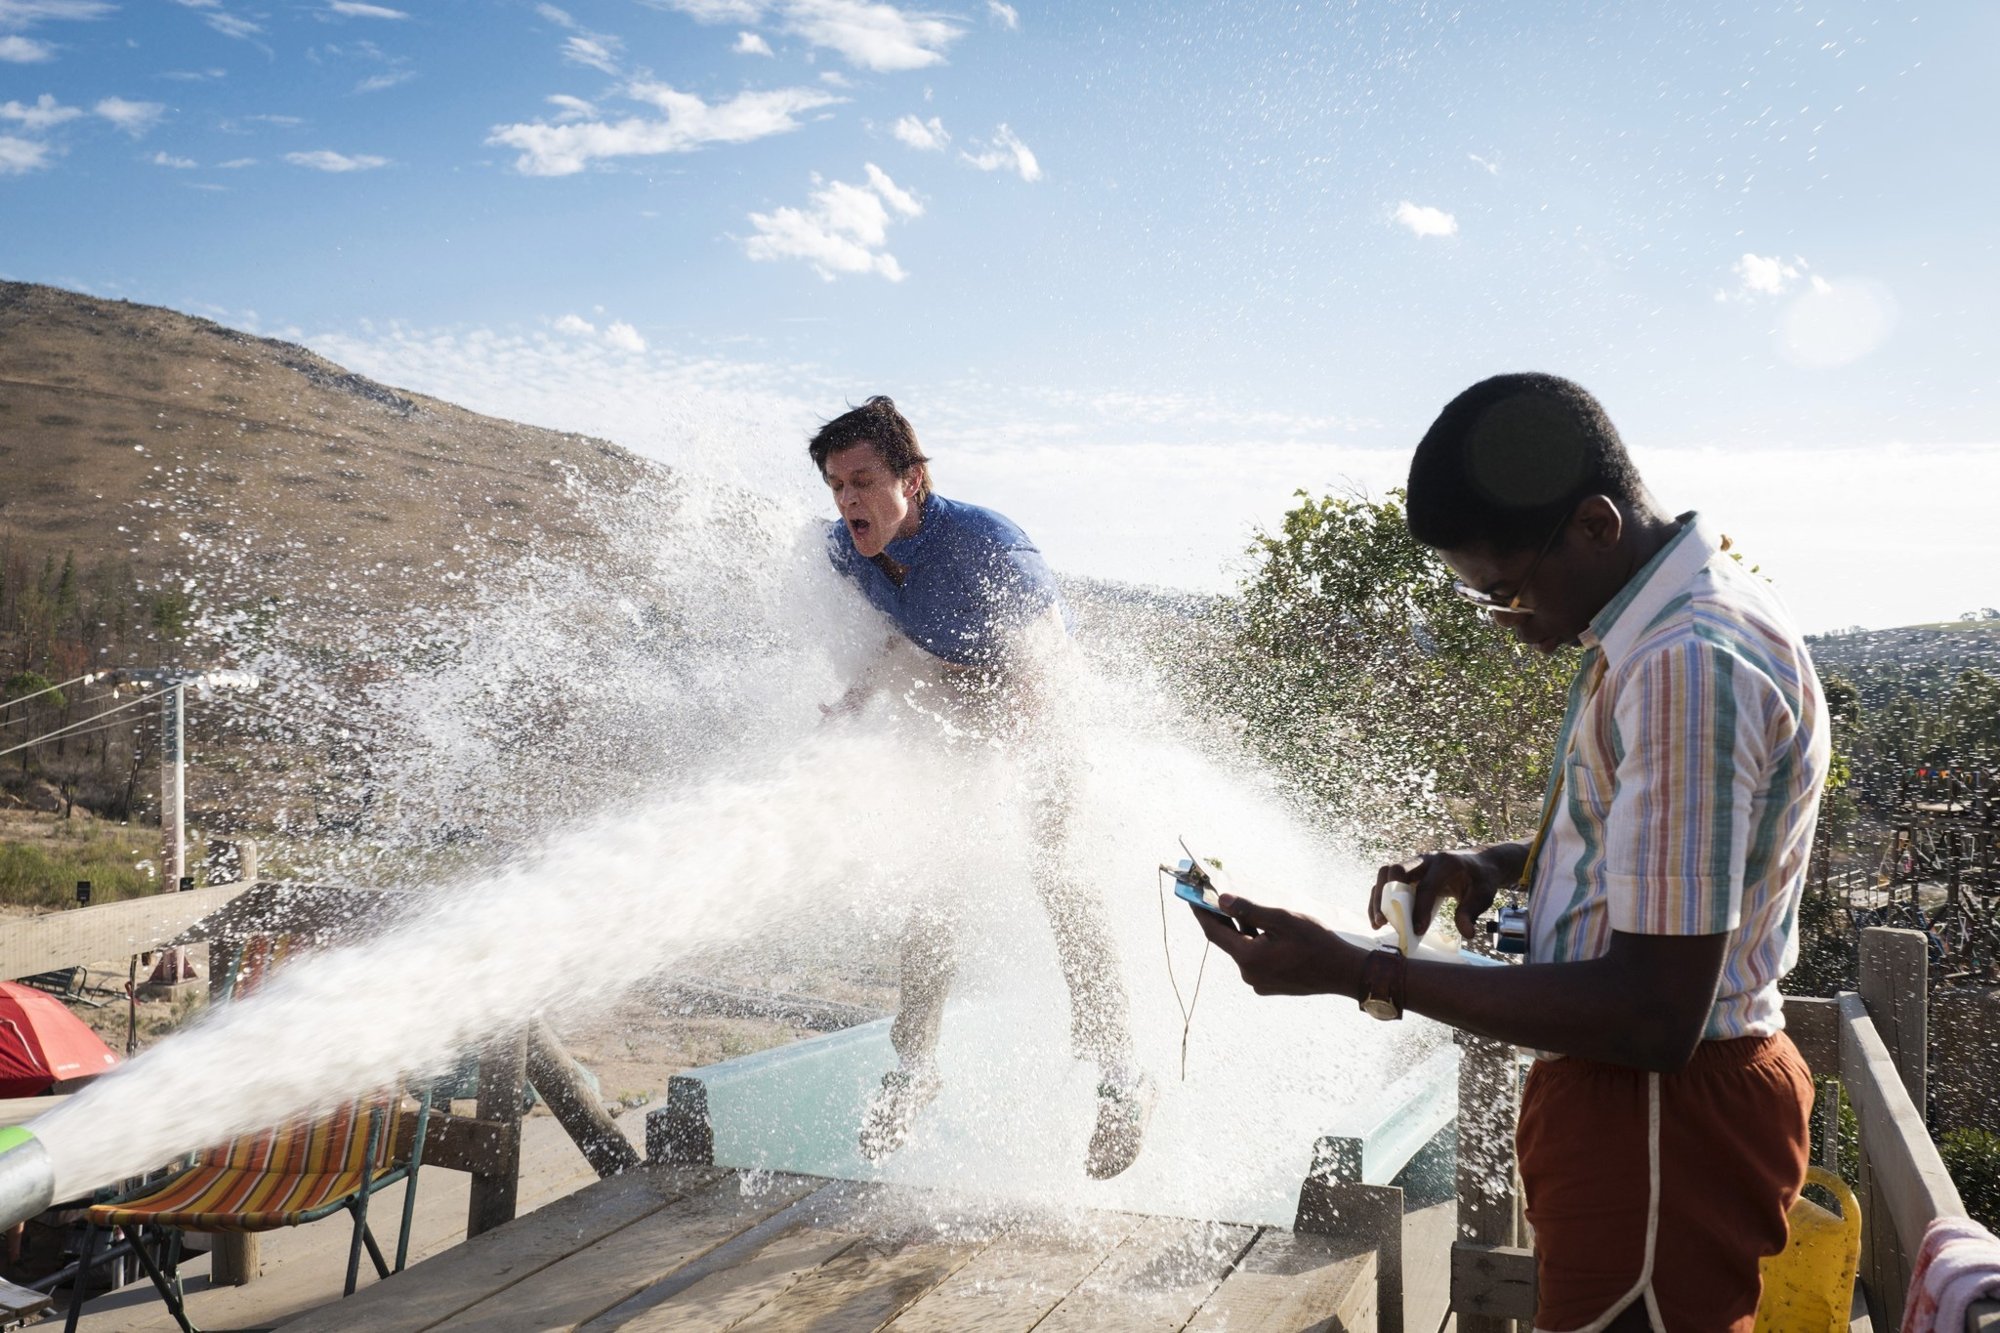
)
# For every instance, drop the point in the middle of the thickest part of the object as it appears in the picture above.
(1187, 1010)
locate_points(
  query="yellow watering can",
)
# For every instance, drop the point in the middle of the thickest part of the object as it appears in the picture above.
(1809, 1285)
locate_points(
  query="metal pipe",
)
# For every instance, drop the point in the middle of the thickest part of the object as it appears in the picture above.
(27, 1176)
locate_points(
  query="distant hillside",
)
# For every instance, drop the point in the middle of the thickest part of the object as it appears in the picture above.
(1921, 657)
(176, 492)
(133, 430)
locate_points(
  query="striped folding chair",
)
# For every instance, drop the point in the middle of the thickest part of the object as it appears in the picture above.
(296, 1173)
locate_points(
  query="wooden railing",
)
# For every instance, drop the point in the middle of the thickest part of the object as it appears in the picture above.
(1872, 1044)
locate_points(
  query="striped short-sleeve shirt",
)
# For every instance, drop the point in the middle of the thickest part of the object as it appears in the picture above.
(1693, 755)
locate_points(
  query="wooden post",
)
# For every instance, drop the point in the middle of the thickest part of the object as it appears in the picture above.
(561, 1081)
(1488, 1104)
(234, 1259)
(1895, 990)
(503, 1069)
(1333, 1201)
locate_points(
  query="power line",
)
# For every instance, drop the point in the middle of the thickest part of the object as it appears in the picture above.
(61, 731)
(51, 689)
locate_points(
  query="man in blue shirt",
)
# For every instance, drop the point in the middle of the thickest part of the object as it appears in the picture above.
(968, 588)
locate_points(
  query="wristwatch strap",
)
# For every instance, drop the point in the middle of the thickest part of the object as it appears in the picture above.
(1382, 977)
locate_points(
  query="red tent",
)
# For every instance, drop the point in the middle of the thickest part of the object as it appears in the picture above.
(42, 1042)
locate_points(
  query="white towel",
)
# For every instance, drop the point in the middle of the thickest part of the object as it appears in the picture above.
(1958, 1263)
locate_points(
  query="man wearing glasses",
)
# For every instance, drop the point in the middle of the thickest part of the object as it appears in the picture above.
(1662, 1134)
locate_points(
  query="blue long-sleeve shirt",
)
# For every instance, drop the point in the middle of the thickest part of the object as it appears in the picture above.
(971, 580)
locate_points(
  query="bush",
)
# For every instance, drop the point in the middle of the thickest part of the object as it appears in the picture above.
(1973, 1158)
(38, 875)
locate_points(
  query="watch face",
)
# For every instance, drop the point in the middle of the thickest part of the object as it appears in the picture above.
(1382, 1009)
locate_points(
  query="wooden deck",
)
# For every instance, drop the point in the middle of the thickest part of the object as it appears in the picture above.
(693, 1248)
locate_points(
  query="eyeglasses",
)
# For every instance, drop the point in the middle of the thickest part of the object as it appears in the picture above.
(1492, 605)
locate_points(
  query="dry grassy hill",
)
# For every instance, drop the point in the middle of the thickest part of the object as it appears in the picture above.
(124, 426)
(166, 482)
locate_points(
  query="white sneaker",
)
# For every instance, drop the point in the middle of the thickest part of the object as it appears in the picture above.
(885, 1126)
(1122, 1112)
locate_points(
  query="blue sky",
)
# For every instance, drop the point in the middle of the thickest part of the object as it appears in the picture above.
(1136, 272)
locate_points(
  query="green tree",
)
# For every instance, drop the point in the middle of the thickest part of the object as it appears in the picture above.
(1393, 705)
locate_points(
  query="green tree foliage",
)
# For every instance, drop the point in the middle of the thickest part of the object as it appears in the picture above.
(1973, 1158)
(1398, 710)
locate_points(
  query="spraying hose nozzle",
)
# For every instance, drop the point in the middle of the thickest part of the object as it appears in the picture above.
(27, 1176)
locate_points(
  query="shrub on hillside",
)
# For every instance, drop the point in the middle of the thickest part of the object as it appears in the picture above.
(1973, 1158)
(34, 874)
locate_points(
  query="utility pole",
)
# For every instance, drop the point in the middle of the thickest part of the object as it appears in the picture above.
(173, 785)
(173, 966)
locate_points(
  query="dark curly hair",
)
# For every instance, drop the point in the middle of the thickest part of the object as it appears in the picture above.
(1509, 459)
(875, 422)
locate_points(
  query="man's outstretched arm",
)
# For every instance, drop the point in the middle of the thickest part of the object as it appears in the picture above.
(1645, 1003)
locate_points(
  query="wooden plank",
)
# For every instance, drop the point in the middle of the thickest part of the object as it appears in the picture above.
(1366, 1217)
(19, 1302)
(870, 1283)
(1493, 1282)
(1489, 1101)
(586, 1282)
(461, 1277)
(1291, 1281)
(1895, 986)
(460, 1142)
(503, 1077)
(1156, 1279)
(816, 1218)
(1905, 1184)
(112, 930)
(1017, 1280)
(1813, 1024)
(567, 1089)
(728, 1294)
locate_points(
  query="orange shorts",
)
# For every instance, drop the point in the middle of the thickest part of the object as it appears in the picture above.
(1725, 1142)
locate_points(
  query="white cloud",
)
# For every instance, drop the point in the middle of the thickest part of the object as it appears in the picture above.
(1759, 276)
(1426, 221)
(877, 37)
(325, 159)
(1836, 322)
(927, 135)
(237, 163)
(570, 108)
(868, 33)
(355, 9)
(22, 13)
(688, 123)
(220, 19)
(750, 44)
(43, 114)
(25, 51)
(844, 229)
(135, 118)
(375, 83)
(559, 17)
(1006, 16)
(1007, 153)
(195, 75)
(596, 49)
(21, 155)
(577, 326)
(720, 11)
(624, 337)
(1490, 167)
(169, 160)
